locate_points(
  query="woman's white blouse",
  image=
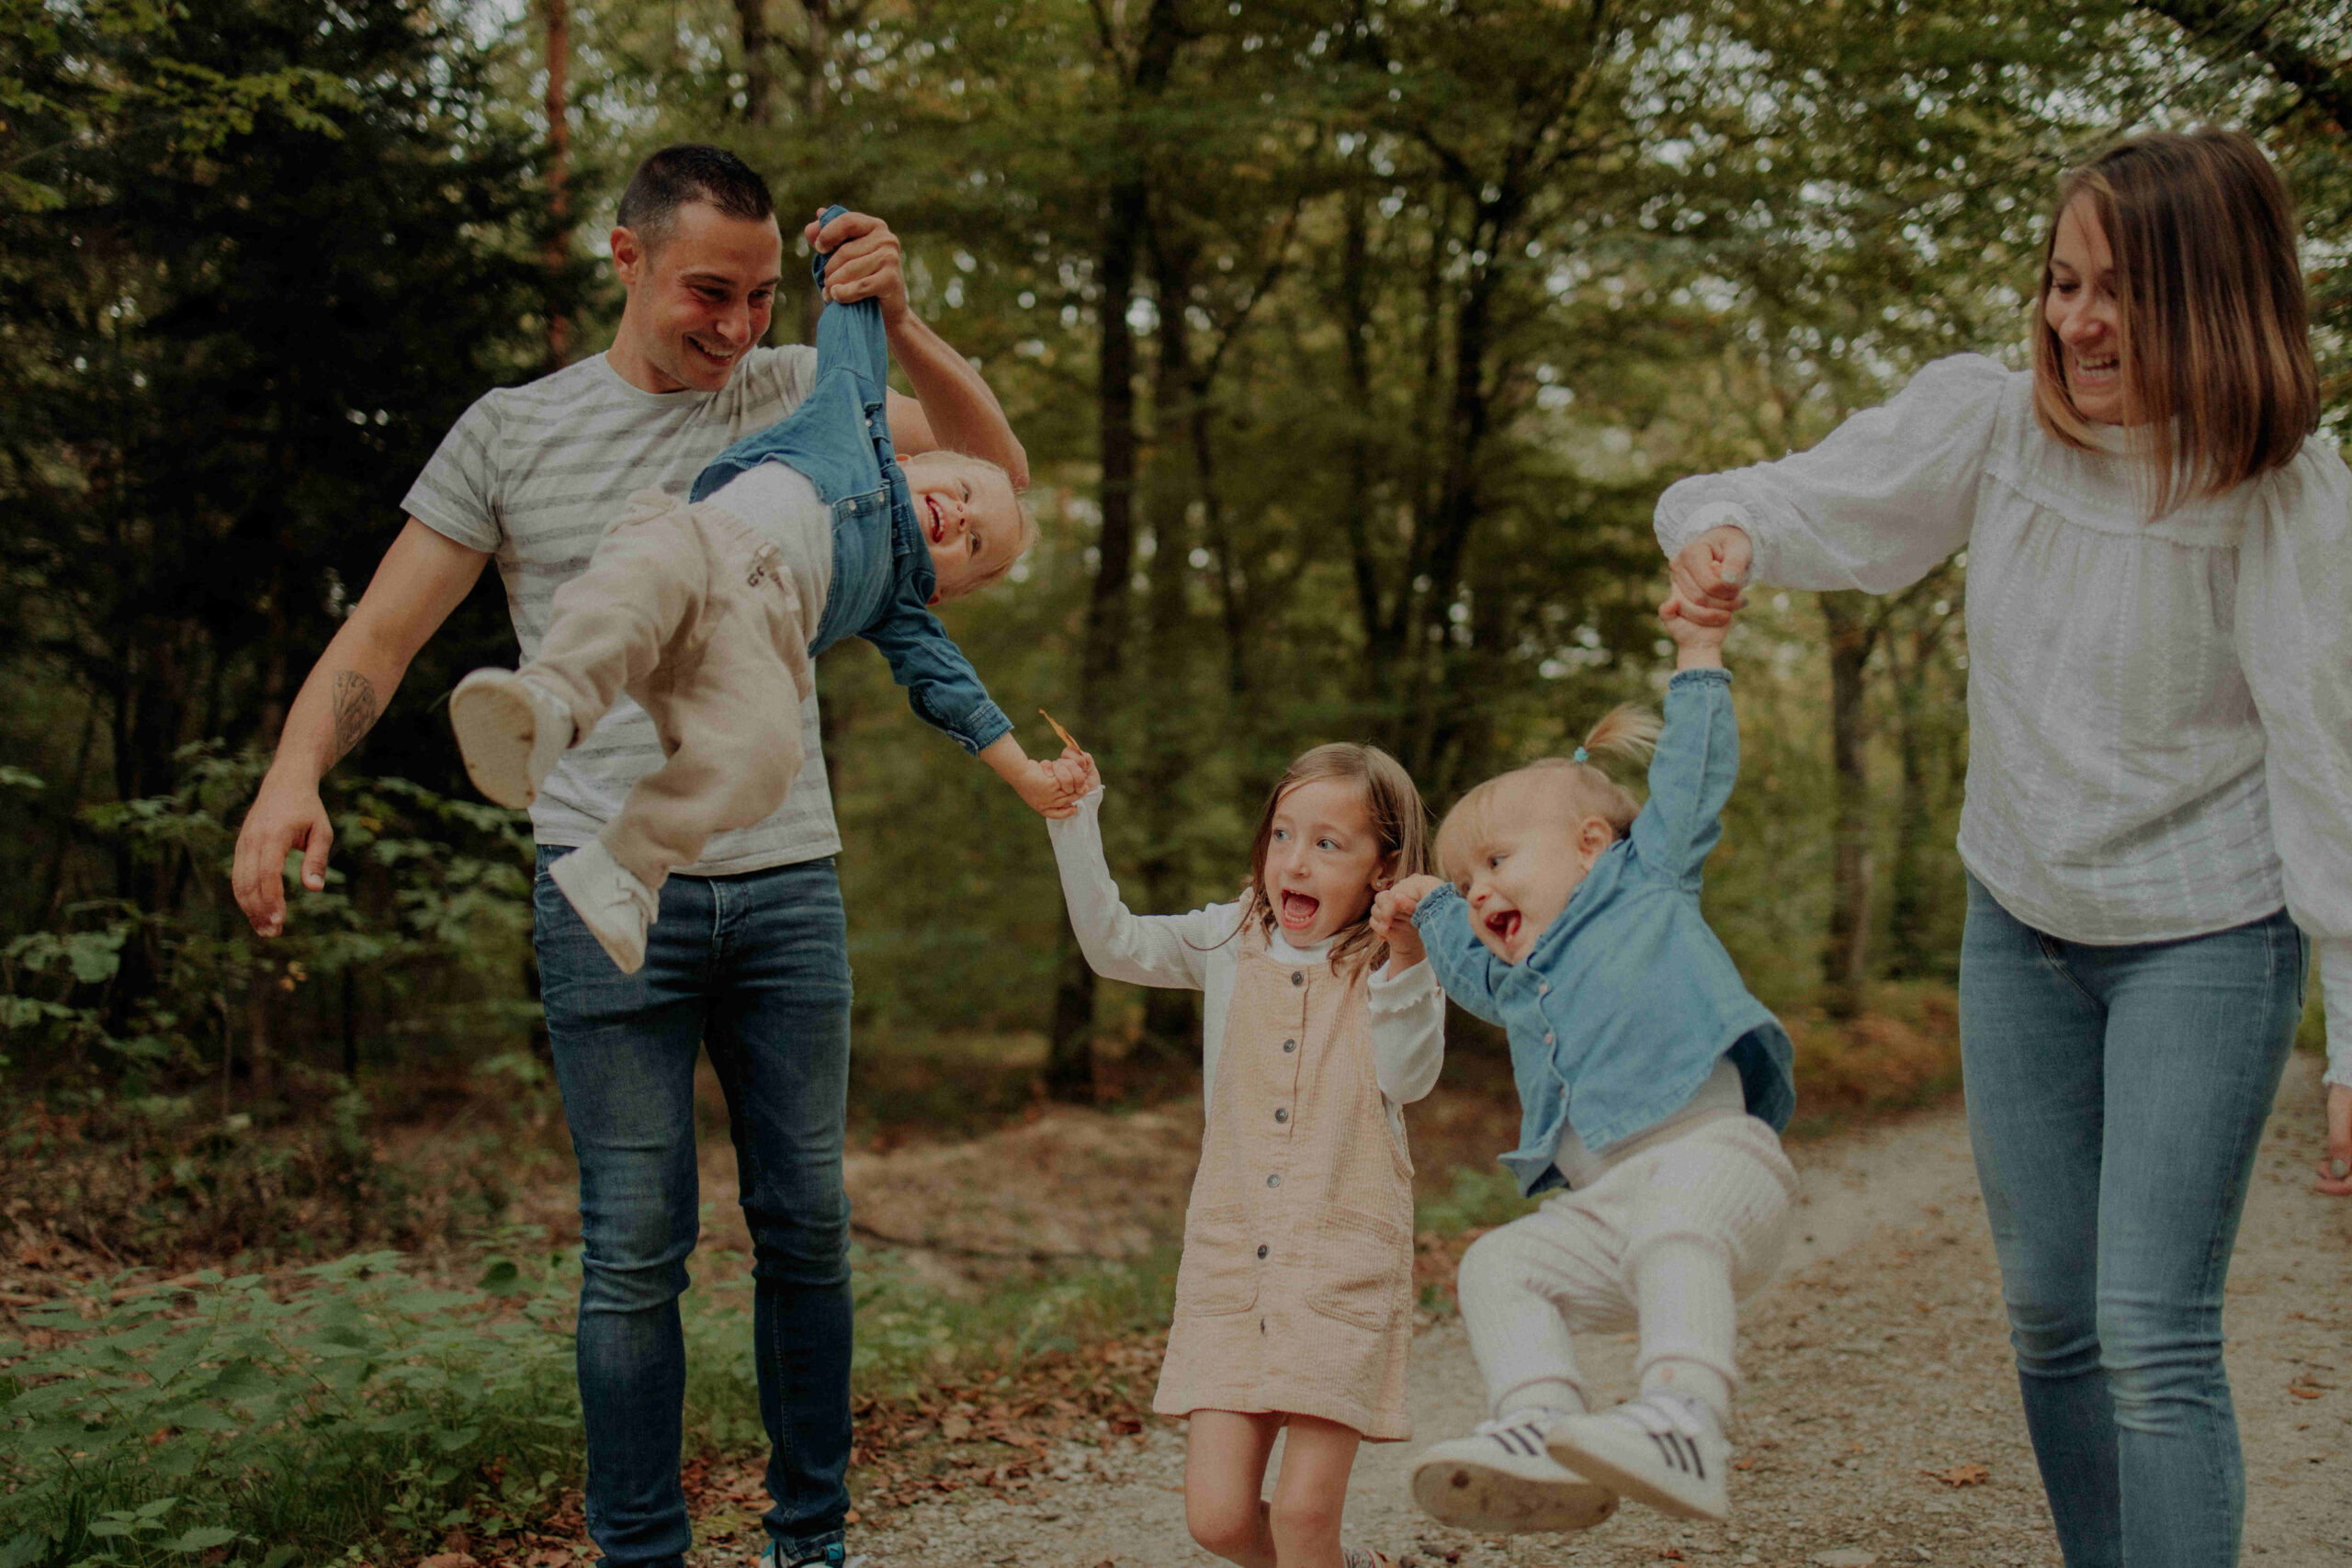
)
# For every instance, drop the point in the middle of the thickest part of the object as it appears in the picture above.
(1197, 952)
(2160, 713)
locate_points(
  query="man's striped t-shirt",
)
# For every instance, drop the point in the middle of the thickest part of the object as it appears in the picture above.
(535, 474)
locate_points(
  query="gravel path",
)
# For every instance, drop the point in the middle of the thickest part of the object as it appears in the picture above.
(1880, 1426)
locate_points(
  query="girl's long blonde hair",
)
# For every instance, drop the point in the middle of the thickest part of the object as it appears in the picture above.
(1399, 822)
(1576, 787)
(2216, 338)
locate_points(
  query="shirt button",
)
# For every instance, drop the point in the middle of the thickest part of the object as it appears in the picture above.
(1542, 987)
(1262, 1249)
(1547, 1037)
(1288, 1046)
(1297, 979)
(1275, 1179)
(1281, 1114)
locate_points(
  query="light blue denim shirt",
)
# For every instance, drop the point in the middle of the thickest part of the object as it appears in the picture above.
(1627, 1000)
(840, 438)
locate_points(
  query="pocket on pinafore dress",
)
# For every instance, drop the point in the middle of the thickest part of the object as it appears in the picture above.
(1218, 1273)
(1361, 1262)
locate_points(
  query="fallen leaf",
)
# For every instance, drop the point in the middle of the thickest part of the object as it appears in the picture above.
(1962, 1475)
(955, 1428)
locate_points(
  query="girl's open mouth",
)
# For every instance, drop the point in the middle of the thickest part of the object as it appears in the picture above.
(1298, 910)
(1503, 925)
(938, 529)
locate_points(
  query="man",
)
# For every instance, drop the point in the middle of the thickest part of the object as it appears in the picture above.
(750, 955)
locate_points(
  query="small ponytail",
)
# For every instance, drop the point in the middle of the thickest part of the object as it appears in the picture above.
(1623, 731)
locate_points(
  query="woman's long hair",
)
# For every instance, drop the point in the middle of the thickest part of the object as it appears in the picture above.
(2217, 368)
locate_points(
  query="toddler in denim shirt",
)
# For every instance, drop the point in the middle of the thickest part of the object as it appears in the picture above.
(1651, 1084)
(710, 614)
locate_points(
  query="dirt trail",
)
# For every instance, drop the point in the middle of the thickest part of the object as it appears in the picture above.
(1879, 1377)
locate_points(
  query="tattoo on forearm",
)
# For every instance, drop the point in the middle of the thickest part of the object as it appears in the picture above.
(355, 710)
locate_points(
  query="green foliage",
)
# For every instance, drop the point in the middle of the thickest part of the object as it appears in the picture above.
(365, 1405)
(428, 891)
(172, 1422)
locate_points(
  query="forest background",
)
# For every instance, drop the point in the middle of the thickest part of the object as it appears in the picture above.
(1350, 341)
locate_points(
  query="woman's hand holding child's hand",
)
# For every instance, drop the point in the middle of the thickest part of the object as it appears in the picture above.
(1391, 921)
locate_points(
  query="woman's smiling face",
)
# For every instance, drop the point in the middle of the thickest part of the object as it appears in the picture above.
(1323, 860)
(2084, 308)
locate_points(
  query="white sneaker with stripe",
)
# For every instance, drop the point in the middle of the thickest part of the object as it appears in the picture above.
(1662, 1449)
(1499, 1478)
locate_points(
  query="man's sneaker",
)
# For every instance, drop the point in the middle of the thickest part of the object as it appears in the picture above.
(611, 902)
(1662, 1449)
(510, 732)
(832, 1556)
(1499, 1478)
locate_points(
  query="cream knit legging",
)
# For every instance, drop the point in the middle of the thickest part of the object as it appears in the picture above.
(1665, 1241)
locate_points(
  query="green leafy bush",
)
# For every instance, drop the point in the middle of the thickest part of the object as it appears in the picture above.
(173, 1422)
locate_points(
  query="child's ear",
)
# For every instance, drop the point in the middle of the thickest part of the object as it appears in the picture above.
(1594, 838)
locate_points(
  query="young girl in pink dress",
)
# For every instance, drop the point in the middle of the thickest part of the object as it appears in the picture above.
(1294, 1301)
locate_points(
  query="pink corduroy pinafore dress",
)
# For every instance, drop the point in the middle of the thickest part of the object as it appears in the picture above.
(1295, 1289)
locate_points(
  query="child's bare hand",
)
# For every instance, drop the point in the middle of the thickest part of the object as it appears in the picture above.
(1698, 642)
(1077, 770)
(1052, 789)
(1392, 912)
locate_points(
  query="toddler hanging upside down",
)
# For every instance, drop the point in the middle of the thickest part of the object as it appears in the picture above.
(1653, 1086)
(710, 614)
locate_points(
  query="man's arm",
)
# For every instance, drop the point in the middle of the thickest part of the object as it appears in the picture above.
(952, 406)
(423, 576)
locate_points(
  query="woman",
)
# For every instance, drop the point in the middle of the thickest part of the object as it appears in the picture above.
(2159, 784)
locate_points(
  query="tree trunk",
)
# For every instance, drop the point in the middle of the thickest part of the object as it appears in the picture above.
(558, 108)
(1069, 1072)
(1845, 949)
(758, 73)
(1070, 1067)
(1170, 1015)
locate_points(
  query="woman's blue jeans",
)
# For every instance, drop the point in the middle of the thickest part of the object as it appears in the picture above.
(2116, 1098)
(755, 969)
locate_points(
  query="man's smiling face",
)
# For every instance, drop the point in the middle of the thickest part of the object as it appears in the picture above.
(699, 299)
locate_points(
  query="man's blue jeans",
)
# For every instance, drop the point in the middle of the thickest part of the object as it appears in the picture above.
(755, 968)
(2116, 1098)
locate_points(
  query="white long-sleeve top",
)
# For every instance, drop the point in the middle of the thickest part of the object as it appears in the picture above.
(2160, 712)
(1197, 952)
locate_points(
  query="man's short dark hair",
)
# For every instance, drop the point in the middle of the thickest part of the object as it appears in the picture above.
(687, 171)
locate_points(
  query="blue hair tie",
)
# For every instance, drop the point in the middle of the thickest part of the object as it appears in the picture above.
(1579, 757)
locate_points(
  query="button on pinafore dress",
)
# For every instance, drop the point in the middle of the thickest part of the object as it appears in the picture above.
(1295, 1289)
